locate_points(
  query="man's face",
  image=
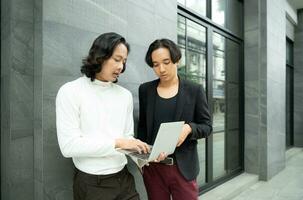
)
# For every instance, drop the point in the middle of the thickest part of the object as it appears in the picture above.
(163, 66)
(112, 67)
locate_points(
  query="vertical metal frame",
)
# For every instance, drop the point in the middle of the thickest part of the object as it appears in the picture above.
(209, 86)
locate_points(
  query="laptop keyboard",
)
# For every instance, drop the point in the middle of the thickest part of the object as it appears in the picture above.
(143, 156)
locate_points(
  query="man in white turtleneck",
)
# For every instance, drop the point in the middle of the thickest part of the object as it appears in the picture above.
(94, 117)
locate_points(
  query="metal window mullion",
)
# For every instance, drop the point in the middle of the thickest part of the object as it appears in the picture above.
(209, 89)
(208, 9)
(241, 104)
(225, 101)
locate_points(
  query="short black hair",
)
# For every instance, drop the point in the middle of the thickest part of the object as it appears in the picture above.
(175, 53)
(101, 50)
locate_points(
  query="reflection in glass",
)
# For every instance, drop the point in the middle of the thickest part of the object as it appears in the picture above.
(218, 11)
(219, 106)
(202, 161)
(197, 79)
(232, 128)
(196, 64)
(232, 140)
(196, 52)
(196, 36)
(232, 61)
(226, 139)
(198, 6)
(182, 45)
(218, 155)
(234, 17)
(219, 57)
(289, 93)
(181, 2)
(289, 52)
(228, 14)
(182, 64)
(219, 110)
(192, 43)
(181, 31)
(289, 106)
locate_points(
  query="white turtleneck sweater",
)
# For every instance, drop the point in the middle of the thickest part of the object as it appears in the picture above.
(90, 116)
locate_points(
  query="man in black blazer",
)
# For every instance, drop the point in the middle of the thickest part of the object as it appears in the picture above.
(168, 99)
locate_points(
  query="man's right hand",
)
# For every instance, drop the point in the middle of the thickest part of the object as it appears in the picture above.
(132, 144)
(161, 157)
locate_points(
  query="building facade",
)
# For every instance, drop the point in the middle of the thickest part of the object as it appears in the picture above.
(248, 55)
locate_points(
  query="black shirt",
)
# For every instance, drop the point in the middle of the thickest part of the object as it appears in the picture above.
(164, 112)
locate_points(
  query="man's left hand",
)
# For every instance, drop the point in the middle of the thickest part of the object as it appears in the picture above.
(185, 132)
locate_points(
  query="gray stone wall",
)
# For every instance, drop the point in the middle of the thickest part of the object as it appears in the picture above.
(264, 53)
(44, 43)
(17, 78)
(276, 86)
(298, 82)
(252, 36)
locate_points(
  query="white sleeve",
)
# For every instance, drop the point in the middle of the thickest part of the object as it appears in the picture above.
(71, 140)
(129, 123)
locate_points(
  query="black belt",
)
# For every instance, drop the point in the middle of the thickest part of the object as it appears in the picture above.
(168, 161)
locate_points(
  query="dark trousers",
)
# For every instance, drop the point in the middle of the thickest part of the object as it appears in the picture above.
(118, 186)
(165, 182)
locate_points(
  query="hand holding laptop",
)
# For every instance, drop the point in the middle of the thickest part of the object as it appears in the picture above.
(132, 144)
(161, 157)
(165, 143)
(186, 130)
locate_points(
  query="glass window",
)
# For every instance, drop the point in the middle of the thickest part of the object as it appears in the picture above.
(226, 13)
(218, 11)
(219, 60)
(289, 52)
(192, 42)
(181, 2)
(226, 156)
(196, 52)
(202, 162)
(226, 106)
(289, 94)
(182, 43)
(229, 14)
(198, 6)
(232, 128)
(219, 111)
(234, 17)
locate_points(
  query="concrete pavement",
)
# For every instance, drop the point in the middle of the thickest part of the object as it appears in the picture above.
(287, 185)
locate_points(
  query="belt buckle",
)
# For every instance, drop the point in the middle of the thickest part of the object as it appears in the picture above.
(170, 161)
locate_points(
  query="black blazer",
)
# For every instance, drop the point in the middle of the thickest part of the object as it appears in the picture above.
(192, 108)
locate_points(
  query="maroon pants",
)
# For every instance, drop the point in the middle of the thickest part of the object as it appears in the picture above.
(165, 181)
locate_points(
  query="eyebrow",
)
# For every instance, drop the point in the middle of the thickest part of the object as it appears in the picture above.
(118, 56)
(166, 59)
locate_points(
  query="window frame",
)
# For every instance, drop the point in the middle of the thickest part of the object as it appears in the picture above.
(211, 28)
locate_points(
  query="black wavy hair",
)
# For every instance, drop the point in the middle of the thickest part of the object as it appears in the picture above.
(175, 53)
(101, 50)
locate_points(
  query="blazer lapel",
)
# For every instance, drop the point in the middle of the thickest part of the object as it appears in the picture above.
(151, 107)
(180, 100)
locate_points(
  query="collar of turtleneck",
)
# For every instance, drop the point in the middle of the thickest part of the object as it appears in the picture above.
(102, 84)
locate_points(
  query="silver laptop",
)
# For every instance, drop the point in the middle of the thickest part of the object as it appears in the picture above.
(166, 141)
